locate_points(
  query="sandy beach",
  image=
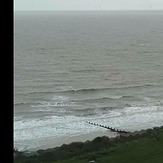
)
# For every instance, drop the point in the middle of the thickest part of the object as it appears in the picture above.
(51, 143)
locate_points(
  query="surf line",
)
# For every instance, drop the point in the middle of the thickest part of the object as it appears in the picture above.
(107, 127)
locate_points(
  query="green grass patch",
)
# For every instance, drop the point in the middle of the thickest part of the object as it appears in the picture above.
(143, 148)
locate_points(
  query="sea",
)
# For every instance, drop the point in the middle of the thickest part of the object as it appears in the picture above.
(71, 67)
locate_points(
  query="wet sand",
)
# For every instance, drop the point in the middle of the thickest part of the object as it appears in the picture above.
(52, 143)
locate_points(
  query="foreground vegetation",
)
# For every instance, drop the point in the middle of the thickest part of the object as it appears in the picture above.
(143, 147)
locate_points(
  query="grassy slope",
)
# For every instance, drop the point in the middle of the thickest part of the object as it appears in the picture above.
(143, 150)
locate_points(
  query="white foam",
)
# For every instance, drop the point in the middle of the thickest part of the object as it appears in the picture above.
(60, 98)
(46, 104)
(31, 133)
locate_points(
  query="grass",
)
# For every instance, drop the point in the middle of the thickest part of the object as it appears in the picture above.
(143, 150)
(147, 148)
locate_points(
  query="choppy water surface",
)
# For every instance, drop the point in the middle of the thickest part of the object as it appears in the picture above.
(73, 67)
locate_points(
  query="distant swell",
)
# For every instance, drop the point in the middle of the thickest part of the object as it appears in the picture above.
(89, 90)
(104, 99)
(22, 103)
(37, 92)
(86, 71)
(104, 89)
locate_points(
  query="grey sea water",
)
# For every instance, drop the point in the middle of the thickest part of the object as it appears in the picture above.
(73, 67)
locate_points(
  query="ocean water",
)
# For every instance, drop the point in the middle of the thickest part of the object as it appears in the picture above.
(72, 67)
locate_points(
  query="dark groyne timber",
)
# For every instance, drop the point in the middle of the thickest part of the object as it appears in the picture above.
(107, 127)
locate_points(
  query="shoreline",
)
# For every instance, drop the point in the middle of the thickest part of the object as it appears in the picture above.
(80, 138)
(52, 143)
(78, 148)
(83, 138)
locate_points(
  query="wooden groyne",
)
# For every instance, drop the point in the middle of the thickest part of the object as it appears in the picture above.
(107, 127)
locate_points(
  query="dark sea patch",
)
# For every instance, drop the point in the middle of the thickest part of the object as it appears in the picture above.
(107, 99)
(94, 90)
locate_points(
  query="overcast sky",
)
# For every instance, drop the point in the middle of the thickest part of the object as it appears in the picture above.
(88, 4)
